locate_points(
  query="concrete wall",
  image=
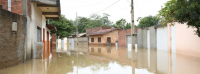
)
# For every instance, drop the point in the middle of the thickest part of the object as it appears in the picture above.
(12, 44)
(80, 44)
(140, 38)
(152, 37)
(186, 41)
(36, 20)
(144, 38)
(162, 42)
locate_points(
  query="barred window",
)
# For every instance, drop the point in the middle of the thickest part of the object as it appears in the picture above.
(99, 39)
(92, 39)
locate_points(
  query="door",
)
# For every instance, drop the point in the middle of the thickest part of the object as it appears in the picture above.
(44, 51)
(48, 43)
(108, 40)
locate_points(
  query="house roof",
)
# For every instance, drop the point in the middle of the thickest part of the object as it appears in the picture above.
(100, 32)
(82, 34)
(51, 27)
(50, 8)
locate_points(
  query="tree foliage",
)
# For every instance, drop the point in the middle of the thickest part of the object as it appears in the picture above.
(64, 27)
(147, 21)
(94, 20)
(182, 11)
(122, 24)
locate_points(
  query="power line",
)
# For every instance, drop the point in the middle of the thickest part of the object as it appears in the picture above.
(108, 6)
(88, 5)
(128, 1)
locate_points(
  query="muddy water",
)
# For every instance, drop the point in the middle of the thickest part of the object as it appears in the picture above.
(109, 60)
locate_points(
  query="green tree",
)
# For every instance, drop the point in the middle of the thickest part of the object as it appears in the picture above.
(64, 27)
(147, 21)
(83, 24)
(182, 11)
(106, 20)
(128, 26)
(121, 23)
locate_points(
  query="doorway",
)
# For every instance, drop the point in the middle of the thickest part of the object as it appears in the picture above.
(44, 43)
(48, 43)
(108, 41)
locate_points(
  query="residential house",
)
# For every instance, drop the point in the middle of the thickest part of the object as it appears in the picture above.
(36, 13)
(104, 37)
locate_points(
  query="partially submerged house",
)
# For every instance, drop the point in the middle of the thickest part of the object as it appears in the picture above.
(104, 37)
(35, 29)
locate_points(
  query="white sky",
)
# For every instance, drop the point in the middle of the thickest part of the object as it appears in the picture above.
(119, 10)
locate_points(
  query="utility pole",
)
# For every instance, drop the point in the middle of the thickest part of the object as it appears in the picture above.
(133, 38)
(76, 24)
(77, 28)
(133, 26)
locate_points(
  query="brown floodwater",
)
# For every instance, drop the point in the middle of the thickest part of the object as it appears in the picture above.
(109, 60)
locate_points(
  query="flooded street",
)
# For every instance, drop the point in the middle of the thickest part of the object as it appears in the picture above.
(109, 60)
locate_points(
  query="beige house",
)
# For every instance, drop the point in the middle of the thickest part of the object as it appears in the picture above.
(104, 37)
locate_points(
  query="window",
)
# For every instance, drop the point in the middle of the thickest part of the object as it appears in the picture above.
(99, 39)
(99, 50)
(92, 49)
(38, 34)
(92, 39)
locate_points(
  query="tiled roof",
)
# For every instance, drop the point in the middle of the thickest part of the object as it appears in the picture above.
(100, 32)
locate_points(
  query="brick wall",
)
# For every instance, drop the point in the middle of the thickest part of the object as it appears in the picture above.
(11, 43)
(122, 38)
(16, 6)
(128, 31)
(53, 37)
(29, 7)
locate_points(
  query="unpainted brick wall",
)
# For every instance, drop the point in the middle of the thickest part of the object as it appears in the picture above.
(122, 38)
(53, 37)
(29, 7)
(128, 31)
(16, 6)
(12, 44)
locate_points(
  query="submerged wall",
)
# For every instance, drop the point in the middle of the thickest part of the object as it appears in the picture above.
(186, 40)
(12, 44)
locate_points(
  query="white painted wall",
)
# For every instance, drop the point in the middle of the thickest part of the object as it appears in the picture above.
(162, 39)
(36, 20)
(173, 38)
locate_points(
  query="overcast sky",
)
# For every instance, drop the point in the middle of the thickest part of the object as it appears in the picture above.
(119, 9)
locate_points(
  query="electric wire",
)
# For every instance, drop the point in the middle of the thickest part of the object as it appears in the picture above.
(108, 6)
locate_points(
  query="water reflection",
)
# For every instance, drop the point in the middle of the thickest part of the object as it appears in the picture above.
(109, 60)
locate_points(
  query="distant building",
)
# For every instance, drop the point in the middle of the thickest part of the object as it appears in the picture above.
(110, 35)
(104, 37)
